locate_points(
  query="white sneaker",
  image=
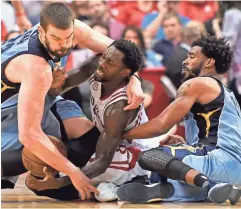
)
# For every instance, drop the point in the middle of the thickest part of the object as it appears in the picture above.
(108, 192)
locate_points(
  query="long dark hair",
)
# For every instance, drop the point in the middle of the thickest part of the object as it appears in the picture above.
(140, 36)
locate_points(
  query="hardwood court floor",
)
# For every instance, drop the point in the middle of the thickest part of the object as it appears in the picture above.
(21, 197)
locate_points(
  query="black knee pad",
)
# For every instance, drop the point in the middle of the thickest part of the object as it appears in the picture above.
(66, 193)
(154, 160)
(157, 160)
(81, 149)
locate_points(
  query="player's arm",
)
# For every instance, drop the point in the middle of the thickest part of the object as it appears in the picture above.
(75, 76)
(186, 96)
(115, 120)
(35, 83)
(87, 37)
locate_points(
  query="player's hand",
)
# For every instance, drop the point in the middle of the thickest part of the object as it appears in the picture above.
(49, 182)
(134, 93)
(172, 139)
(82, 184)
(23, 23)
(59, 77)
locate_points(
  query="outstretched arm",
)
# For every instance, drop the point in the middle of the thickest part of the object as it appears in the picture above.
(186, 96)
(109, 139)
(74, 77)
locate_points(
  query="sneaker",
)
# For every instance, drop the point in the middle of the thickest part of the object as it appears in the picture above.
(224, 191)
(139, 193)
(107, 192)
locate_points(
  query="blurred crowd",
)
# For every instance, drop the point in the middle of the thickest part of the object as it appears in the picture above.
(163, 30)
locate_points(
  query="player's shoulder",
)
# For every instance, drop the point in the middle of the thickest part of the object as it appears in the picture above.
(29, 62)
(200, 82)
(199, 85)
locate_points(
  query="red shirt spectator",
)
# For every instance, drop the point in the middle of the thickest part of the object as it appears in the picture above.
(132, 14)
(198, 10)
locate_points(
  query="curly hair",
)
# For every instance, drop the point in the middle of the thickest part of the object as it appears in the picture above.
(133, 58)
(218, 49)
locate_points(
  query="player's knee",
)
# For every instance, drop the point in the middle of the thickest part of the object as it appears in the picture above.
(81, 149)
(165, 164)
(155, 158)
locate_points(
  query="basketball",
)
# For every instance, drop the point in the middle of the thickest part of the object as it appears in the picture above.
(32, 163)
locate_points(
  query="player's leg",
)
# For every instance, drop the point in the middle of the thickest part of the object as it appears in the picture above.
(165, 162)
(9, 142)
(79, 133)
(219, 166)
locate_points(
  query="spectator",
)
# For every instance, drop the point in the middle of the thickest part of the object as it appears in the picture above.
(198, 25)
(232, 32)
(172, 29)
(198, 10)
(174, 66)
(100, 12)
(82, 11)
(134, 14)
(135, 35)
(152, 22)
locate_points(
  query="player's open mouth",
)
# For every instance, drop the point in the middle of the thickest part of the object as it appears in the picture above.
(99, 72)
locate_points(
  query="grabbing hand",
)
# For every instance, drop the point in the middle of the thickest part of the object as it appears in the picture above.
(49, 182)
(172, 139)
(59, 77)
(83, 184)
(134, 93)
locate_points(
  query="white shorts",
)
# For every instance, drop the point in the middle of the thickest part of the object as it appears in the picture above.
(124, 166)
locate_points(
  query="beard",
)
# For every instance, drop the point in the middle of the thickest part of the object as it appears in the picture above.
(57, 53)
(188, 74)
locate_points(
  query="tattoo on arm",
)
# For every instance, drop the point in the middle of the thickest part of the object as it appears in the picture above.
(182, 90)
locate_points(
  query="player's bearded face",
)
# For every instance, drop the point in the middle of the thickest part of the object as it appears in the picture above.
(57, 50)
(193, 64)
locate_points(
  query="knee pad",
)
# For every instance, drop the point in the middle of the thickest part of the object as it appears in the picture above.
(157, 160)
(81, 149)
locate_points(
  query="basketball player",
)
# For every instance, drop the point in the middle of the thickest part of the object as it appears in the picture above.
(114, 160)
(213, 133)
(27, 64)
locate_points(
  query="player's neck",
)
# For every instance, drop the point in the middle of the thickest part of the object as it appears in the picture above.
(111, 86)
(206, 72)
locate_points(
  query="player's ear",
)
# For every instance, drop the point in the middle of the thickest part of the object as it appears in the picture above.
(126, 72)
(210, 62)
(40, 29)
